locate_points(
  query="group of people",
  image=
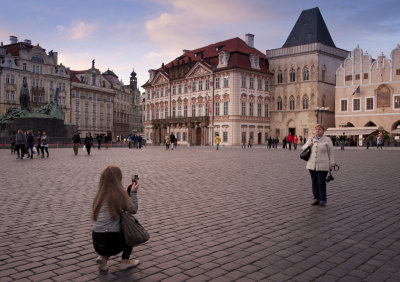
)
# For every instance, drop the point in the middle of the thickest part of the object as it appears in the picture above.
(136, 141)
(170, 140)
(24, 143)
(88, 142)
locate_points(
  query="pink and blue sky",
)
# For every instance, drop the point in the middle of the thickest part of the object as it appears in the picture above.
(122, 34)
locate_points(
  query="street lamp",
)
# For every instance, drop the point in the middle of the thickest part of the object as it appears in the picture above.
(321, 110)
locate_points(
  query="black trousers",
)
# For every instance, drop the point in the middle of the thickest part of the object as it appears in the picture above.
(110, 244)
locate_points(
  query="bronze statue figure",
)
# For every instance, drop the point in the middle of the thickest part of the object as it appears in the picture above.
(24, 98)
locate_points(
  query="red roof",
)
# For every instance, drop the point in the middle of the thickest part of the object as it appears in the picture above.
(73, 74)
(14, 49)
(239, 56)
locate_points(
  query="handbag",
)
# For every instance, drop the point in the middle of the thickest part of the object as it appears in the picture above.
(134, 232)
(305, 155)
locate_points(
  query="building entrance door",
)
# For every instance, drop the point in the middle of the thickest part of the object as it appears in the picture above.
(198, 136)
(292, 130)
(259, 138)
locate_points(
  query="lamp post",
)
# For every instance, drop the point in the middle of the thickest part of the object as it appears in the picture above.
(321, 110)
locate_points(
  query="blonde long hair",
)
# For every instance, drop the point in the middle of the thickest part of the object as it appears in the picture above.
(111, 191)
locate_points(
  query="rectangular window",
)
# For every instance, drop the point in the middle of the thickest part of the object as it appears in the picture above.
(200, 110)
(178, 136)
(226, 81)
(157, 114)
(166, 91)
(259, 87)
(185, 88)
(166, 112)
(24, 66)
(259, 107)
(267, 85)
(251, 109)
(397, 71)
(207, 110)
(357, 76)
(173, 90)
(365, 75)
(162, 92)
(157, 93)
(266, 110)
(179, 111)
(207, 84)
(217, 109)
(180, 89)
(244, 81)
(348, 77)
(161, 113)
(193, 86)
(200, 85)
(185, 110)
(369, 103)
(225, 137)
(94, 108)
(148, 115)
(243, 108)
(184, 136)
(12, 81)
(226, 108)
(251, 82)
(396, 101)
(217, 82)
(343, 105)
(193, 110)
(356, 105)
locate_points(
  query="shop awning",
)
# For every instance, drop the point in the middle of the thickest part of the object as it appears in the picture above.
(337, 131)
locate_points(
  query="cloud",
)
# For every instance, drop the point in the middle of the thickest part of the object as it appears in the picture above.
(78, 30)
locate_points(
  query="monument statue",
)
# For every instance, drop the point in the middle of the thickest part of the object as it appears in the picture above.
(24, 98)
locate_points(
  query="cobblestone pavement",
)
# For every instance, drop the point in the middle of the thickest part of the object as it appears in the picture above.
(234, 214)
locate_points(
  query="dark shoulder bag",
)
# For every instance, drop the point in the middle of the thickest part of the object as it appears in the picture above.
(134, 232)
(305, 155)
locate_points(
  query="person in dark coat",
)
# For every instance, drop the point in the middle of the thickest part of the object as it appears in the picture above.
(29, 143)
(88, 142)
(99, 138)
(12, 140)
(76, 139)
(20, 142)
(172, 139)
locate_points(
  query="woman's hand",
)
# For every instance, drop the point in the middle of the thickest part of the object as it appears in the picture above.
(331, 167)
(310, 143)
(135, 185)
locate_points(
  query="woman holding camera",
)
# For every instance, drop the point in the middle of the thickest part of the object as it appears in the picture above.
(110, 200)
(320, 162)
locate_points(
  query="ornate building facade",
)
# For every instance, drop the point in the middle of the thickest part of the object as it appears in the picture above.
(303, 86)
(221, 88)
(368, 94)
(21, 61)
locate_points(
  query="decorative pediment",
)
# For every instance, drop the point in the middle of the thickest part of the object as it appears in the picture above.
(223, 59)
(226, 97)
(199, 69)
(243, 97)
(160, 78)
(255, 61)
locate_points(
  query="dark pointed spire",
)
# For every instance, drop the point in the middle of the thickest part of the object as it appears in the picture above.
(309, 28)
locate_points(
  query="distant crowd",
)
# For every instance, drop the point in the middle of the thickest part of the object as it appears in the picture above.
(24, 143)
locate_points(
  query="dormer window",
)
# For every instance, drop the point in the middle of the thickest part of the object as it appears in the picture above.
(223, 59)
(255, 61)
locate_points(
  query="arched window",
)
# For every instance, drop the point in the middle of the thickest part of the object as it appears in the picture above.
(292, 75)
(37, 59)
(323, 73)
(306, 74)
(280, 80)
(306, 102)
(291, 103)
(279, 104)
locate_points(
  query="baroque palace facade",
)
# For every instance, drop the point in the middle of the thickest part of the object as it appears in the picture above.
(221, 88)
(368, 94)
(96, 102)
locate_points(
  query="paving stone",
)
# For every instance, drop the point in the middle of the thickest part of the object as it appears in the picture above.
(235, 215)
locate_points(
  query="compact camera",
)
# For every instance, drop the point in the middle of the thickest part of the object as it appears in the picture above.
(329, 177)
(135, 178)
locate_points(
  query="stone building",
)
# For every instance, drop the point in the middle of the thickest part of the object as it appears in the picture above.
(303, 85)
(221, 88)
(367, 94)
(22, 61)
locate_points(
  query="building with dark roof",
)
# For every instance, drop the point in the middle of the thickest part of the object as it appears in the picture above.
(303, 85)
(219, 88)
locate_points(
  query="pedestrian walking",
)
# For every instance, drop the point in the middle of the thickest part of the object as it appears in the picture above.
(76, 140)
(88, 142)
(167, 142)
(366, 141)
(320, 162)
(38, 141)
(342, 140)
(295, 141)
(284, 142)
(172, 140)
(379, 141)
(269, 142)
(217, 140)
(250, 144)
(44, 143)
(244, 142)
(289, 140)
(29, 143)
(20, 142)
(99, 139)
(107, 141)
(110, 200)
(12, 141)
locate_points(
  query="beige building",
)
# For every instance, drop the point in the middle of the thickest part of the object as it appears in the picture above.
(367, 94)
(22, 61)
(303, 86)
(221, 88)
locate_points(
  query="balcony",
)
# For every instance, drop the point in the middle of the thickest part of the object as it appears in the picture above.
(185, 120)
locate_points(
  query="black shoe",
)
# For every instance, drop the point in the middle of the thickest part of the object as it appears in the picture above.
(31, 157)
(17, 157)
(315, 203)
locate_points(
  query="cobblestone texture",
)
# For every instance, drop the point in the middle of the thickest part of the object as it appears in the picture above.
(234, 214)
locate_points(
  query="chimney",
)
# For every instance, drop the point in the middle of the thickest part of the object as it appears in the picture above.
(28, 41)
(185, 51)
(13, 39)
(250, 40)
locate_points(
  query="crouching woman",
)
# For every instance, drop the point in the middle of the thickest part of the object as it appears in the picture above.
(110, 199)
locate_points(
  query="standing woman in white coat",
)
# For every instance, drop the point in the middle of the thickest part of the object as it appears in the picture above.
(321, 161)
